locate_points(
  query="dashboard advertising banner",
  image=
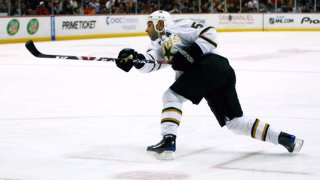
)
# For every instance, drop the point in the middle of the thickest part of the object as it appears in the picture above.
(92, 25)
(292, 21)
(24, 27)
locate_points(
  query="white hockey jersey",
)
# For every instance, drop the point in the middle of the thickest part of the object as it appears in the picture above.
(180, 34)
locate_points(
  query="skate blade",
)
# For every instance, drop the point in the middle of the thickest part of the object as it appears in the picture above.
(165, 155)
(298, 145)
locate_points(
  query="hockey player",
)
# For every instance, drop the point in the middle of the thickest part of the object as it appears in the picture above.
(201, 72)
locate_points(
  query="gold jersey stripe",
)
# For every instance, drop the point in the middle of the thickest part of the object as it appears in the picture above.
(254, 128)
(172, 109)
(206, 29)
(172, 120)
(207, 39)
(265, 131)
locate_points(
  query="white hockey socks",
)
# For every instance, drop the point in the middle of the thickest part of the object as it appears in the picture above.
(171, 112)
(254, 128)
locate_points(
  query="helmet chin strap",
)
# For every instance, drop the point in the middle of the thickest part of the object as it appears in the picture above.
(159, 34)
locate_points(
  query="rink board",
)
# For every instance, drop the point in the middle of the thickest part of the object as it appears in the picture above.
(21, 29)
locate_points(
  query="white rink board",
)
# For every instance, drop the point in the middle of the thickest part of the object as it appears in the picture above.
(291, 21)
(91, 25)
(239, 21)
(101, 26)
(227, 21)
(43, 29)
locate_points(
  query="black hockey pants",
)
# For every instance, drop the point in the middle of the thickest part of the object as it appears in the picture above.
(211, 77)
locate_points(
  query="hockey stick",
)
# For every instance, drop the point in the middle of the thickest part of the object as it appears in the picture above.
(34, 51)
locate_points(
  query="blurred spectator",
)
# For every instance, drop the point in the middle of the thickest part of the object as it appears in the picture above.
(66, 7)
(95, 4)
(119, 8)
(3, 6)
(245, 8)
(23, 7)
(42, 9)
(33, 4)
(74, 6)
(220, 8)
(149, 8)
(232, 8)
(193, 7)
(205, 7)
(15, 10)
(57, 7)
(286, 6)
(253, 6)
(304, 9)
(88, 9)
(108, 6)
(166, 5)
(142, 8)
(130, 6)
(212, 4)
(18, 9)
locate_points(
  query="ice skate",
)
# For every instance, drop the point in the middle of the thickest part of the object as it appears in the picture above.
(165, 149)
(290, 142)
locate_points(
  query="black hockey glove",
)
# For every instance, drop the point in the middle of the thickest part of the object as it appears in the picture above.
(126, 56)
(183, 59)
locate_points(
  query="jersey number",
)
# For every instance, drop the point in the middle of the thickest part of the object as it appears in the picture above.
(196, 25)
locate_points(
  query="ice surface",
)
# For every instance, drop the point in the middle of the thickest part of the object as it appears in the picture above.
(77, 120)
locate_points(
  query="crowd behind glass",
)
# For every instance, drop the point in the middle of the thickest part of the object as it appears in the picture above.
(68, 7)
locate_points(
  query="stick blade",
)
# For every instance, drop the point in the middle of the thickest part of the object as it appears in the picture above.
(34, 51)
(32, 48)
